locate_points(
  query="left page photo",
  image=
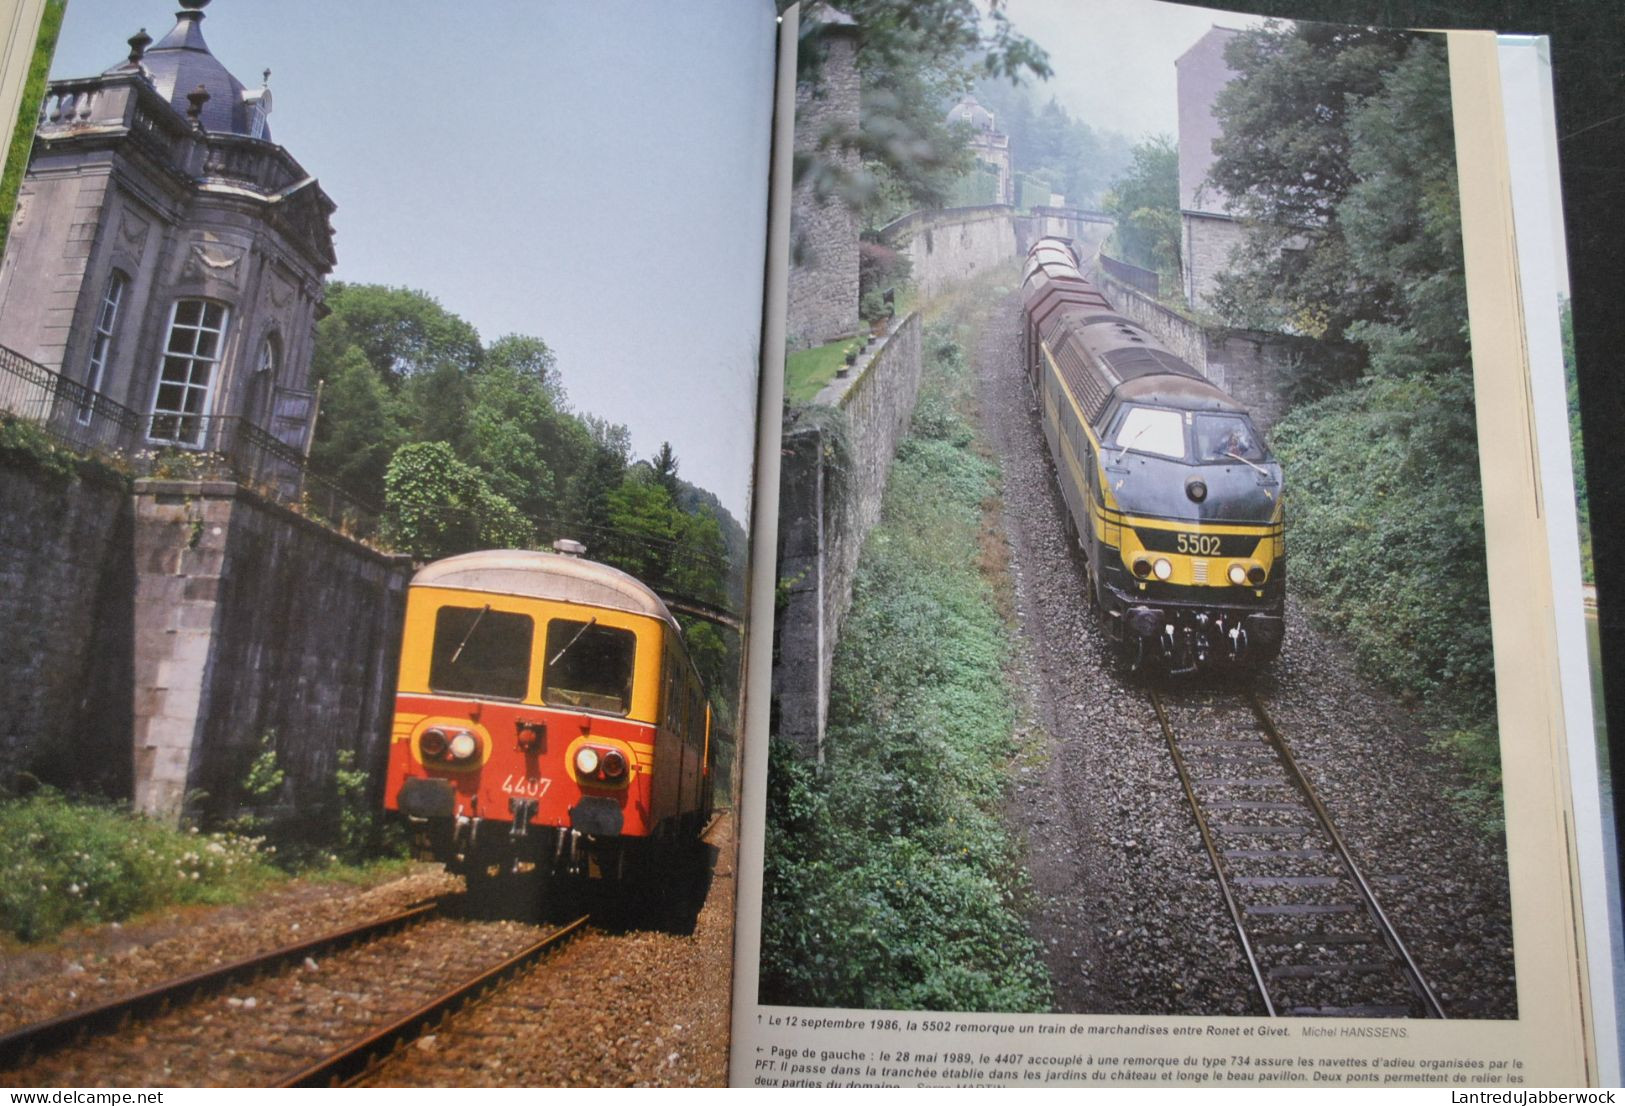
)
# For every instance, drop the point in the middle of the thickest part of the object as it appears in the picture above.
(378, 389)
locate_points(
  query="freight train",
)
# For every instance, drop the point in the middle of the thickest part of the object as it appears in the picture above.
(1169, 488)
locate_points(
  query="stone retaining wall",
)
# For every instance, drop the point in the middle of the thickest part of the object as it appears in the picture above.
(832, 479)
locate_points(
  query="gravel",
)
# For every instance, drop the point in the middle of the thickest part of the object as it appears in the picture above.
(623, 1007)
(1126, 906)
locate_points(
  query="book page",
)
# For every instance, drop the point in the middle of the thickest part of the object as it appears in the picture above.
(378, 388)
(1047, 804)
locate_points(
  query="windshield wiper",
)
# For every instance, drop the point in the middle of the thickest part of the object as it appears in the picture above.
(1138, 434)
(560, 654)
(1261, 471)
(457, 652)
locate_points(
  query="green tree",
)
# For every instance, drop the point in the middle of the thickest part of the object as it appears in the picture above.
(401, 332)
(664, 466)
(1145, 203)
(1402, 220)
(516, 436)
(360, 427)
(1283, 160)
(915, 57)
(530, 357)
(435, 505)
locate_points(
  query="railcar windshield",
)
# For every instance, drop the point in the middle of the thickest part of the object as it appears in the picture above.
(1227, 438)
(588, 666)
(1151, 430)
(478, 651)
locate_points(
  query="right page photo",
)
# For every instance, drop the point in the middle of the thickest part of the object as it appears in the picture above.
(1169, 633)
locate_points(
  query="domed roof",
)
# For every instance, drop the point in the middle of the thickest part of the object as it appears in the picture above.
(180, 62)
(969, 111)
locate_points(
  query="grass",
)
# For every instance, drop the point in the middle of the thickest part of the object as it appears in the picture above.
(22, 139)
(891, 881)
(807, 371)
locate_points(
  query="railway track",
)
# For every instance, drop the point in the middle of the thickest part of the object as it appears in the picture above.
(1316, 940)
(369, 989)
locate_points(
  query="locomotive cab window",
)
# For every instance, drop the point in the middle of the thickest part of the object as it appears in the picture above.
(478, 651)
(1151, 430)
(588, 666)
(1227, 438)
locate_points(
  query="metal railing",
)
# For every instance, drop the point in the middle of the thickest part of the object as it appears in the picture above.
(176, 445)
(1132, 275)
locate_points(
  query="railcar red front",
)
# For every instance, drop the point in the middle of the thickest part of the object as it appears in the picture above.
(548, 718)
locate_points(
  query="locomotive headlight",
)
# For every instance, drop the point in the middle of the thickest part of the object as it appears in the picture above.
(1163, 568)
(1256, 574)
(613, 764)
(1142, 567)
(586, 761)
(1237, 574)
(463, 746)
(433, 743)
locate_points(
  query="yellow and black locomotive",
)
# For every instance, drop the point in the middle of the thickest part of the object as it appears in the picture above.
(1169, 488)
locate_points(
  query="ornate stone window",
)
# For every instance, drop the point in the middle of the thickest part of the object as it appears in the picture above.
(101, 345)
(197, 334)
(263, 384)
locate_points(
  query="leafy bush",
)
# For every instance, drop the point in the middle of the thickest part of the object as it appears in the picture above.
(437, 505)
(70, 863)
(880, 267)
(1385, 531)
(890, 880)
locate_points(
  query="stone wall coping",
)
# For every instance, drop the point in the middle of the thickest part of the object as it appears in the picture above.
(948, 216)
(228, 489)
(837, 391)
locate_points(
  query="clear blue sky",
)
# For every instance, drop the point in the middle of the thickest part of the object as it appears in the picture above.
(591, 173)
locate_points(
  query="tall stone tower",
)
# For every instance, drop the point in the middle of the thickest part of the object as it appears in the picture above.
(823, 291)
(166, 254)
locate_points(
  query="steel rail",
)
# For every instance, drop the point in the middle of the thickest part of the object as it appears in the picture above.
(1385, 931)
(1230, 902)
(345, 1067)
(1385, 928)
(30, 1041)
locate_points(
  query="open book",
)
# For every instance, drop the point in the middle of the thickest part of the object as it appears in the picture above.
(899, 424)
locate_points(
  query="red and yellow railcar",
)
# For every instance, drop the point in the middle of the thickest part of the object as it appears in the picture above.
(548, 716)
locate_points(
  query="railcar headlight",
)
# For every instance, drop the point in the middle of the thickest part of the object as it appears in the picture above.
(433, 743)
(613, 764)
(1237, 574)
(1163, 568)
(1142, 567)
(586, 761)
(1256, 575)
(463, 746)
